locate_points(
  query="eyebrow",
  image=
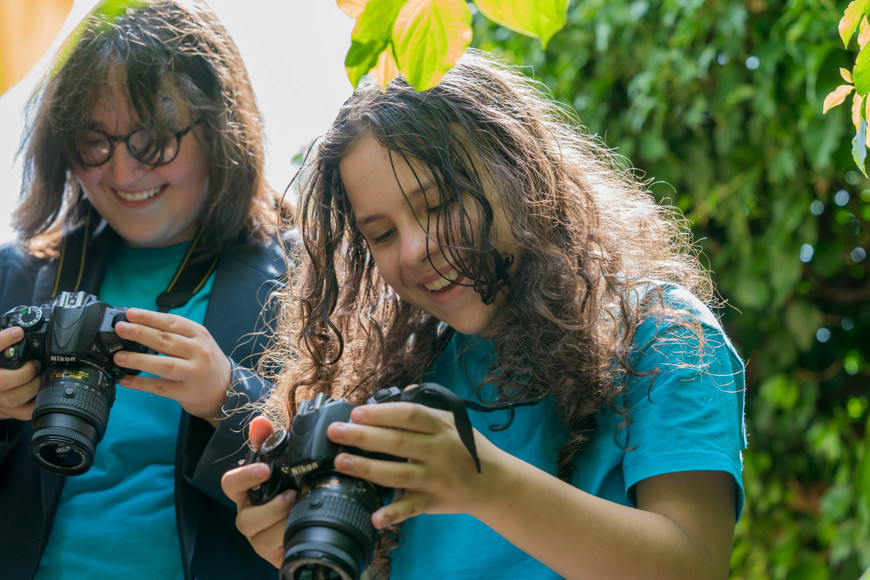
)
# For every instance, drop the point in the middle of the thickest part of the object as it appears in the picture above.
(419, 190)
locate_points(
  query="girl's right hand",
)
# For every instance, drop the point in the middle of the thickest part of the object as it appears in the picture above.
(18, 387)
(263, 525)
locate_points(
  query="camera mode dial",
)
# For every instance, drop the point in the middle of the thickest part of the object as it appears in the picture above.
(28, 317)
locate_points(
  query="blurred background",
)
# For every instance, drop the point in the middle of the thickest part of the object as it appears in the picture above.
(719, 103)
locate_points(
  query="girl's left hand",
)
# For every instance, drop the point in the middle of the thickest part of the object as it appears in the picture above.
(194, 371)
(439, 476)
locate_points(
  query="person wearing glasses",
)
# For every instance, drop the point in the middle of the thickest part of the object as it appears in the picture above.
(143, 174)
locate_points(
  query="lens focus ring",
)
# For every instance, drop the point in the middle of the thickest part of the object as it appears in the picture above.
(73, 396)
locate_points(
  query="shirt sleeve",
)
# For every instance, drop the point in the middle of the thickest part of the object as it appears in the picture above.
(686, 405)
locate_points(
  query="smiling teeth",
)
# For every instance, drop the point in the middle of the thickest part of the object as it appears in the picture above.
(443, 281)
(138, 196)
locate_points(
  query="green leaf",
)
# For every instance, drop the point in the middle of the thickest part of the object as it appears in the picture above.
(371, 35)
(859, 146)
(429, 37)
(861, 73)
(851, 19)
(537, 18)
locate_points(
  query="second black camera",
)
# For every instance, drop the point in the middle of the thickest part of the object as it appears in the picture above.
(73, 338)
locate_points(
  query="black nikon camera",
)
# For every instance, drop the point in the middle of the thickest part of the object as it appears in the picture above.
(74, 339)
(329, 533)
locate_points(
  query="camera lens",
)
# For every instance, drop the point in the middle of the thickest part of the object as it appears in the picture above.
(329, 534)
(70, 416)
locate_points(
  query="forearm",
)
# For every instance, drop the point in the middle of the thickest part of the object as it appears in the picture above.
(579, 535)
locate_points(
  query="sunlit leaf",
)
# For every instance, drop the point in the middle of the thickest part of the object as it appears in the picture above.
(386, 69)
(849, 21)
(27, 30)
(352, 8)
(857, 109)
(863, 32)
(867, 116)
(861, 72)
(859, 147)
(429, 37)
(846, 74)
(538, 18)
(836, 97)
(370, 37)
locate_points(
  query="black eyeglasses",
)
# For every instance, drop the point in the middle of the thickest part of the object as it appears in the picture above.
(94, 147)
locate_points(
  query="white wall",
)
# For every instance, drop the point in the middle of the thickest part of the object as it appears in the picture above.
(294, 50)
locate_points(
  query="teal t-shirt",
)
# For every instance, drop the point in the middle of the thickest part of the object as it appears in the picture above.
(117, 520)
(688, 418)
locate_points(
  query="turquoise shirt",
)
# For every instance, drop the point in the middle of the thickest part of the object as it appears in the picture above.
(688, 418)
(117, 520)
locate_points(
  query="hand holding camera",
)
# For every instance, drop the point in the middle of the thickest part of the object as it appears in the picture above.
(193, 371)
(345, 463)
(18, 387)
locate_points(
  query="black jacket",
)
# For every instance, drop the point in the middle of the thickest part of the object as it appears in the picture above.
(211, 546)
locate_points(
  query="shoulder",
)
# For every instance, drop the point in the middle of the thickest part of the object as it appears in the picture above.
(679, 338)
(266, 258)
(15, 262)
(18, 274)
(664, 307)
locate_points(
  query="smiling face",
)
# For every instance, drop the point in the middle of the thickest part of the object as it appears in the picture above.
(392, 211)
(147, 206)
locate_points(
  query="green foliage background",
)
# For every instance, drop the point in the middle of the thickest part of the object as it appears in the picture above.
(719, 102)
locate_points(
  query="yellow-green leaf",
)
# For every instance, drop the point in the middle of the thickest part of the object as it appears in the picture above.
(861, 72)
(429, 36)
(385, 69)
(849, 21)
(352, 8)
(370, 37)
(847, 76)
(535, 18)
(863, 32)
(836, 97)
(857, 110)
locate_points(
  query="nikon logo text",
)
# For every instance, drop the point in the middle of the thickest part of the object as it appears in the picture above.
(304, 468)
(57, 358)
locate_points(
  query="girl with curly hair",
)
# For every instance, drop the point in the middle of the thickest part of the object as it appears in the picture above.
(471, 236)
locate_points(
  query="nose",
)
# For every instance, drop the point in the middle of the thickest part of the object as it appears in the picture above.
(123, 167)
(415, 246)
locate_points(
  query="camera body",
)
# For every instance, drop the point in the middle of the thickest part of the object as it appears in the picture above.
(74, 340)
(329, 531)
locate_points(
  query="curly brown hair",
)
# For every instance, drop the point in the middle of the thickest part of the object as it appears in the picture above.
(590, 236)
(172, 60)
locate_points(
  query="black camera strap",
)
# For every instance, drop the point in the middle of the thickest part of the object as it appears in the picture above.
(71, 262)
(192, 273)
(439, 397)
(191, 276)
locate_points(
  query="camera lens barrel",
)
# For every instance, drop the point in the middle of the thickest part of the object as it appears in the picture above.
(70, 415)
(329, 533)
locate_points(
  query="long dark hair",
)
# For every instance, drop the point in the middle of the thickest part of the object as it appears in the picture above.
(172, 60)
(590, 236)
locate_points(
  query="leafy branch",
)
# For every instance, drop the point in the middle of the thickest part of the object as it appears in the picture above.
(857, 80)
(423, 39)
